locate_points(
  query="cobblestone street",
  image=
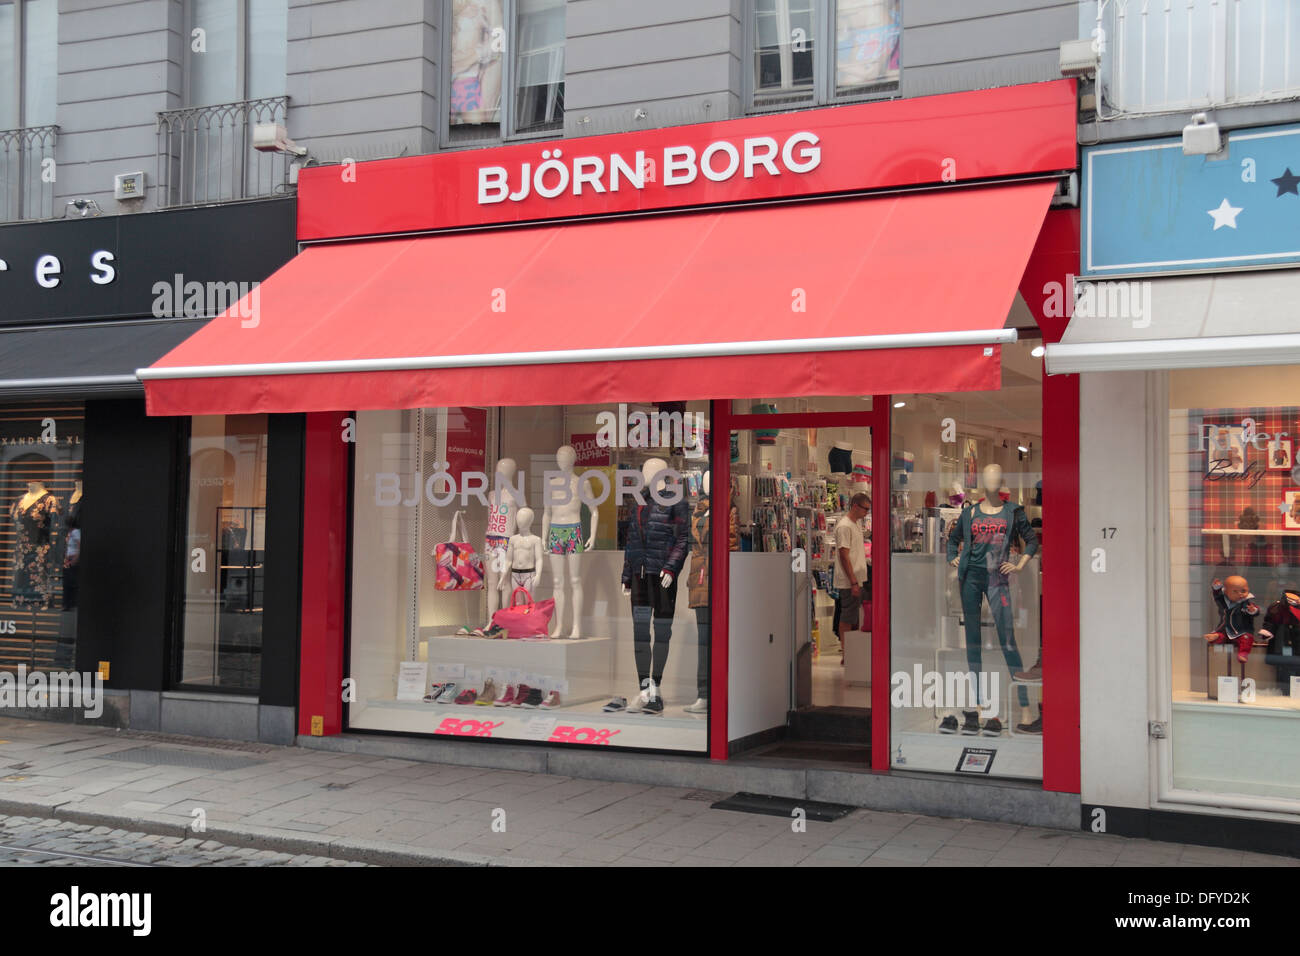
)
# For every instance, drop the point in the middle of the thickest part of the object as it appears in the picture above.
(39, 841)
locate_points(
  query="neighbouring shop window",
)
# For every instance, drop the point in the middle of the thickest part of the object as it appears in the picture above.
(1234, 526)
(40, 534)
(819, 51)
(225, 554)
(534, 573)
(507, 68)
(965, 576)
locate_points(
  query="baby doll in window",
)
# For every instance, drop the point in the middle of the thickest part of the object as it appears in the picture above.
(1237, 613)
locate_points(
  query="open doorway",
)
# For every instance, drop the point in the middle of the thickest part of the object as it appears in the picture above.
(803, 547)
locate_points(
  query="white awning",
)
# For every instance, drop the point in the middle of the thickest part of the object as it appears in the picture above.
(1236, 319)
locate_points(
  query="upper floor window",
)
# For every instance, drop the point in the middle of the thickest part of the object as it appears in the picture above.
(1195, 53)
(237, 50)
(808, 52)
(506, 75)
(29, 43)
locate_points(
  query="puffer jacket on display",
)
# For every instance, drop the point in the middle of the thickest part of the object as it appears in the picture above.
(657, 539)
(698, 577)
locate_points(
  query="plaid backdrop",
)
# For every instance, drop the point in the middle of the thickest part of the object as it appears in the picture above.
(1221, 504)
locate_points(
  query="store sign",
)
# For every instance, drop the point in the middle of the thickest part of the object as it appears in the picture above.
(190, 262)
(932, 140)
(1148, 209)
(675, 166)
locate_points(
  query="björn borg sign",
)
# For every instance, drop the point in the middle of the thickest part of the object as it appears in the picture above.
(676, 166)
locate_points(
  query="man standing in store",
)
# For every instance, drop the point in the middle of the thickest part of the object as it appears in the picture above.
(851, 564)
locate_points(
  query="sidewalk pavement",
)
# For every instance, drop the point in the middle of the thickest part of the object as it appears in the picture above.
(395, 812)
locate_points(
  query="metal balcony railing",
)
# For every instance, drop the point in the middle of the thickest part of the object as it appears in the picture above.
(1174, 55)
(206, 155)
(27, 173)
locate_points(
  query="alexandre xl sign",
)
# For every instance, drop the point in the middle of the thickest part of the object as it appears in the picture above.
(930, 140)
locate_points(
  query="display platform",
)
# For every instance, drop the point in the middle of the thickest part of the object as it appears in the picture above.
(580, 669)
(1019, 756)
(577, 724)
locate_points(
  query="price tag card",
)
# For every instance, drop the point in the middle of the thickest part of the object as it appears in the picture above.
(473, 676)
(448, 671)
(562, 686)
(537, 728)
(514, 676)
(1228, 689)
(411, 678)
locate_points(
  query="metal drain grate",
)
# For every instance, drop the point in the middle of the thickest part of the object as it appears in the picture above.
(784, 807)
(207, 743)
(164, 757)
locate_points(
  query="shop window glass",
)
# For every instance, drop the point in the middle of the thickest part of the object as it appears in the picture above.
(40, 535)
(867, 35)
(1234, 526)
(965, 576)
(491, 599)
(539, 66)
(225, 554)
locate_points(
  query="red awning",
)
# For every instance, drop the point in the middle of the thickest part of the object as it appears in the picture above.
(890, 294)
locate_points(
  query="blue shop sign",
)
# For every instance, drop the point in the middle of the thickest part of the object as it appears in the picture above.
(1148, 209)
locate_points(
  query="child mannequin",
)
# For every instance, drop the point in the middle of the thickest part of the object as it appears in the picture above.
(1237, 611)
(524, 553)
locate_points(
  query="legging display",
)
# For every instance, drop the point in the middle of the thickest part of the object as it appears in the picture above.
(702, 668)
(978, 584)
(651, 599)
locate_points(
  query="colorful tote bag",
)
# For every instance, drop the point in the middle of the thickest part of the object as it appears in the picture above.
(529, 619)
(459, 567)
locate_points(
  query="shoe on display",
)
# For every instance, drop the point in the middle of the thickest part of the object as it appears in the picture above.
(521, 692)
(616, 706)
(534, 698)
(948, 725)
(654, 707)
(552, 700)
(992, 727)
(447, 694)
(494, 632)
(434, 691)
(467, 696)
(506, 699)
(1032, 676)
(701, 706)
(489, 695)
(970, 727)
(637, 703)
(1036, 727)
(465, 631)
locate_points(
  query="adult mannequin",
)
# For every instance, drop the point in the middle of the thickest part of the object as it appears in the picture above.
(562, 532)
(502, 510)
(524, 554)
(697, 584)
(34, 573)
(984, 567)
(657, 540)
(72, 550)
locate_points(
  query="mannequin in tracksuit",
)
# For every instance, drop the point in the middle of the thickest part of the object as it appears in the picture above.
(984, 568)
(657, 540)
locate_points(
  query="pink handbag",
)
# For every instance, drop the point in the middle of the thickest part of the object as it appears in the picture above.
(525, 620)
(459, 567)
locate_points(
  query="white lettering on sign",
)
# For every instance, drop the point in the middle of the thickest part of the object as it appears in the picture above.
(718, 162)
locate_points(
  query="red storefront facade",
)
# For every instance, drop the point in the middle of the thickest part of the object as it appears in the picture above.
(868, 279)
